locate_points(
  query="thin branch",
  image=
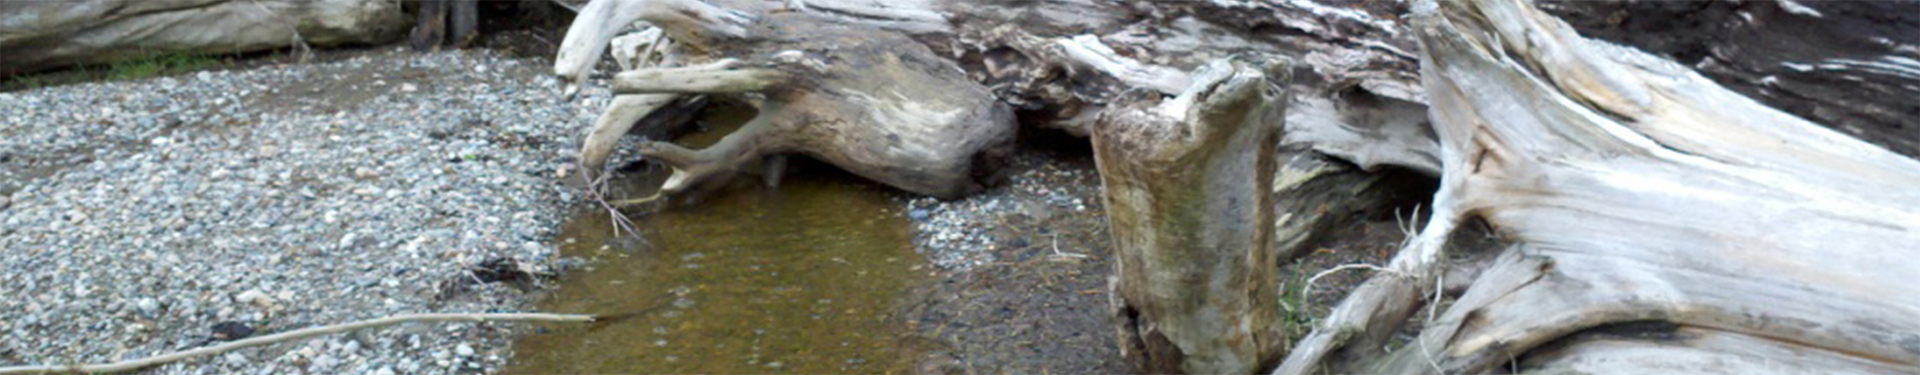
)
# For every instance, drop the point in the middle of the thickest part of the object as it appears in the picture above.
(637, 201)
(597, 188)
(1306, 291)
(137, 364)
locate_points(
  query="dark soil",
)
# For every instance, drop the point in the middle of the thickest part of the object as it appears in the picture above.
(1032, 310)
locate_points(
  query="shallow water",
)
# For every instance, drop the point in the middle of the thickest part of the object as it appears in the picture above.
(799, 279)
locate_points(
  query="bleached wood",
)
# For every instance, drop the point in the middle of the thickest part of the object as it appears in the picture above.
(1189, 184)
(1088, 51)
(691, 22)
(619, 117)
(1638, 190)
(1688, 351)
(868, 100)
(909, 16)
(718, 77)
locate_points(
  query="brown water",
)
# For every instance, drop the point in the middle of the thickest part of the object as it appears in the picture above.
(799, 279)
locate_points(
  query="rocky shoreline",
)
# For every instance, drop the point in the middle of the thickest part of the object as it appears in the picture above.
(156, 215)
(142, 217)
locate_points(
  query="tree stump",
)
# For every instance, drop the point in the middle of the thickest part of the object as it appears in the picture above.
(1188, 188)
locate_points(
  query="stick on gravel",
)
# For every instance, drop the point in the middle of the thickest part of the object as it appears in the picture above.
(288, 336)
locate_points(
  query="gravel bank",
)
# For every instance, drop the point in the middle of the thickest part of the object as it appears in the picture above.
(136, 216)
(1022, 273)
(963, 233)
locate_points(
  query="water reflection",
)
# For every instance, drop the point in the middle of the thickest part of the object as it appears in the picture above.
(799, 280)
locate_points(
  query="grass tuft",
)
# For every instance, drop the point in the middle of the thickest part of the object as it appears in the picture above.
(144, 65)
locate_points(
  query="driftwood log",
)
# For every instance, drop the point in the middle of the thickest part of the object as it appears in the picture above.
(1853, 66)
(868, 100)
(1189, 186)
(1657, 221)
(38, 35)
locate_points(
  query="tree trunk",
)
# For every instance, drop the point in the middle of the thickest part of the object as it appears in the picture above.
(37, 35)
(1189, 182)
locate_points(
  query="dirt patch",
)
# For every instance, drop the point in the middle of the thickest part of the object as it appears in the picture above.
(1037, 303)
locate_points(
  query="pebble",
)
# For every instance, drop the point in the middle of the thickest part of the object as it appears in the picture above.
(254, 297)
(147, 306)
(463, 350)
(955, 235)
(220, 191)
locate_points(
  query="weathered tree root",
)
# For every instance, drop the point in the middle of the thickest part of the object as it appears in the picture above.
(870, 101)
(1636, 192)
(719, 77)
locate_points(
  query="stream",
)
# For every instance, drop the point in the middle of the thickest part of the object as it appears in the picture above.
(800, 279)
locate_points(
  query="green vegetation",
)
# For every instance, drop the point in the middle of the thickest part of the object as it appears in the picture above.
(146, 65)
(159, 64)
(1295, 307)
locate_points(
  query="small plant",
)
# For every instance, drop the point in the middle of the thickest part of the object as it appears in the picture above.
(26, 82)
(1296, 315)
(159, 64)
(147, 64)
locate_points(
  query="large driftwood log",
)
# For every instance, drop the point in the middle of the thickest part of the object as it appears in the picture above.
(1851, 65)
(36, 35)
(1640, 196)
(868, 100)
(1188, 186)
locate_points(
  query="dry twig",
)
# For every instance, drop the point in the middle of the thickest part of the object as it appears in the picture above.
(161, 359)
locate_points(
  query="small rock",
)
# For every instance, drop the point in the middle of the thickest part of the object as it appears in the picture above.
(236, 358)
(463, 350)
(325, 361)
(384, 371)
(365, 173)
(408, 87)
(917, 214)
(229, 331)
(256, 298)
(480, 68)
(147, 306)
